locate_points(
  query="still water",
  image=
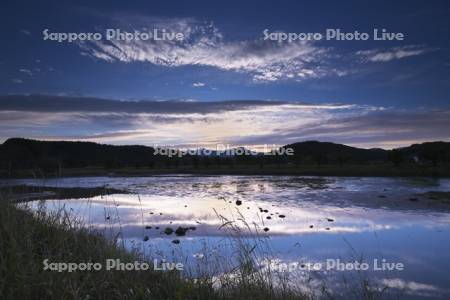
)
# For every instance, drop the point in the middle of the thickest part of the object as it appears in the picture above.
(292, 222)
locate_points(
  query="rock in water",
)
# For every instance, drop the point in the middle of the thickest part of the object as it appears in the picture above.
(181, 231)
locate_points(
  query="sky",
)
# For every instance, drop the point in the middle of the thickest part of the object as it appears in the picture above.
(228, 80)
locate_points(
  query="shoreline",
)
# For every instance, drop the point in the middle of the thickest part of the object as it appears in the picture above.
(429, 199)
(382, 170)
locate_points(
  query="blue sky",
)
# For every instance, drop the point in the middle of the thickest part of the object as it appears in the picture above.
(224, 57)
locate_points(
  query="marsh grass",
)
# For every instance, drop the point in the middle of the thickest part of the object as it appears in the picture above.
(256, 266)
(28, 237)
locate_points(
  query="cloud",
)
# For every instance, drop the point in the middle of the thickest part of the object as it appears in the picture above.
(50, 103)
(198, 84)
(412, 287)
(25, 31)
(377, 55)
(252, 123)
(17, 80)
(368, 128)
(262, 61)
(204, 45)
(26, 71)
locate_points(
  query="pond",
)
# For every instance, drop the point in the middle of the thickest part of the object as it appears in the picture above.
(314, 229)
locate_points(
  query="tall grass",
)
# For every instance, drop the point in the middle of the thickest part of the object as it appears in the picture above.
(27, 238)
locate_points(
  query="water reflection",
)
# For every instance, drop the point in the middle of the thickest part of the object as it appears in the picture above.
(307, 219)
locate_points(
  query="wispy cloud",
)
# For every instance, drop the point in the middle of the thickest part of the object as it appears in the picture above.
(198, 84)
(50, 103)
(263, 61)
(204, 45)
(368, 127)
(412, 288)
(205, 124)
(385, 55)
(26, 71)
(25, 31)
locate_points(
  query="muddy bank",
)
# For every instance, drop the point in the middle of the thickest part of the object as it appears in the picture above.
(22, 193)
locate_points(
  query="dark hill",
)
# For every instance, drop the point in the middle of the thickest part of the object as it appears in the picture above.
(18, 153)
(323, 152)
(434, 152)
(26, 153)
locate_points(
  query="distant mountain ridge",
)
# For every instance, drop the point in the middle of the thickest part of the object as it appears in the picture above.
(333, 151)
(27, 153)
(72, 154)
